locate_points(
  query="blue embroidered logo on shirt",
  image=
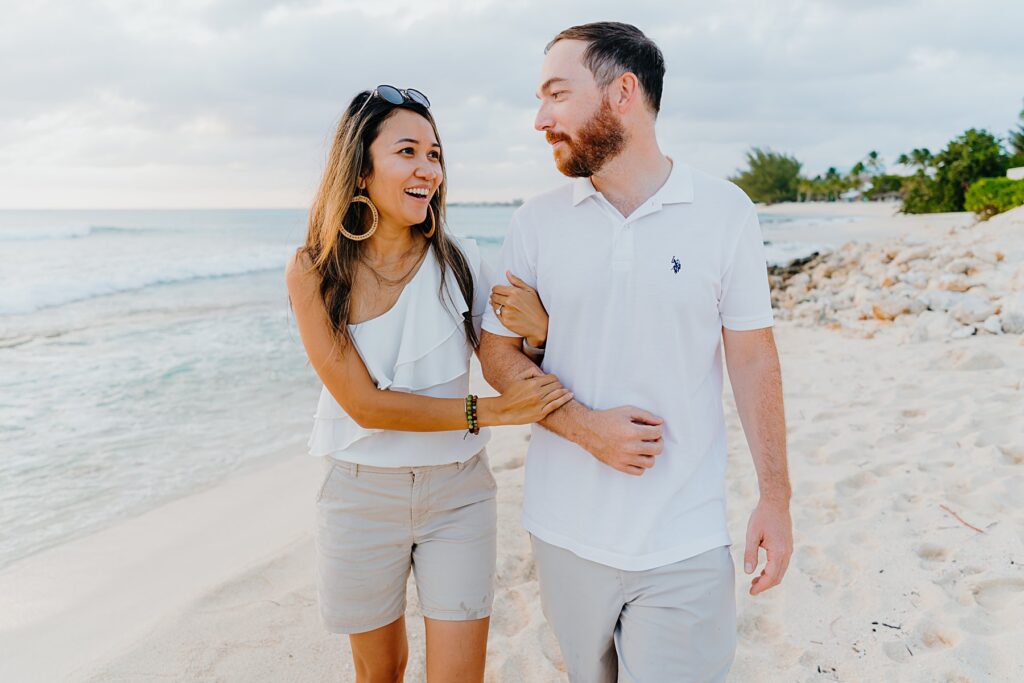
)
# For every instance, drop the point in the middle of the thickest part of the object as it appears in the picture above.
(676, 265)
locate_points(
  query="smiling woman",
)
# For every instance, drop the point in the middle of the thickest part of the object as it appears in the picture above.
(389, 309)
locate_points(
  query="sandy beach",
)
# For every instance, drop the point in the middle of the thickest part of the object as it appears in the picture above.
(906, 455)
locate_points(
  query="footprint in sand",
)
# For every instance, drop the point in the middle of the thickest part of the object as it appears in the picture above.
(906, 501)
(898, 651)
(967, 360)
(819, 509)
(1013, 453)
(936, 636)
(823, 571)
(758, 628)
(855, 483)
(511, 613)
(514, 462)
(549, 646)
(998, 594)
(929, 552)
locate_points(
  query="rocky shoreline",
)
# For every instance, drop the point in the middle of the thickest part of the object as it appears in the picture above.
(968, 282)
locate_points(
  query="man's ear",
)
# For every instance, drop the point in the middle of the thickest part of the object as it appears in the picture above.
(627, 90)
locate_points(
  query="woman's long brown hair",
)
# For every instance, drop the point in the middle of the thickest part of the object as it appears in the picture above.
(333, 255)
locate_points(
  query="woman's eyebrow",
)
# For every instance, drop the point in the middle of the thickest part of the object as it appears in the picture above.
(415, 142)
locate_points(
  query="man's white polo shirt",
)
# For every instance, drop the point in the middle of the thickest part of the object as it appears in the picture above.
(636, 308)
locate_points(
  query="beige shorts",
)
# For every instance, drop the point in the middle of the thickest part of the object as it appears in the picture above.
(374, 524)
(671, 623)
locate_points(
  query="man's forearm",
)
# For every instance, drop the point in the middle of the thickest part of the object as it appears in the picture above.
(503, 363)
(757, 388)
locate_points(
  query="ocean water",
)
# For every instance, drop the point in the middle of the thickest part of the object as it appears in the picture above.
(145, 355)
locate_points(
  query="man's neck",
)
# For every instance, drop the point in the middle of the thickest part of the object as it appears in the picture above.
(631, 178)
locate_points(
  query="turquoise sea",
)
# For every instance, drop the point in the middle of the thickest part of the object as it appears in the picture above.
(147, 354)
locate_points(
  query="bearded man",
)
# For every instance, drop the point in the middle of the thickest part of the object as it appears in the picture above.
(648, 269)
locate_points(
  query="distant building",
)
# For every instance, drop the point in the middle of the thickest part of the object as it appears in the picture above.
(1016, 173)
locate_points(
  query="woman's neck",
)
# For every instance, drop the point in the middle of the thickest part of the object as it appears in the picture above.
(392, 243)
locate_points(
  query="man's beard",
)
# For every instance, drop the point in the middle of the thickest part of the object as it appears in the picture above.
(600, 139)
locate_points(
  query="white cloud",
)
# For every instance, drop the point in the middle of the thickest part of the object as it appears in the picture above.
(231, 102)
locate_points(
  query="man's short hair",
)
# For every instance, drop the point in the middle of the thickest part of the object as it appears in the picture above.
(613, 48)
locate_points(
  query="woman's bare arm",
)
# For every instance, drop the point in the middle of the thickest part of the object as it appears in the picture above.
(345, 375)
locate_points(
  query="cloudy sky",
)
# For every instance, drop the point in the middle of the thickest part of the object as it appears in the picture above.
(229, 103)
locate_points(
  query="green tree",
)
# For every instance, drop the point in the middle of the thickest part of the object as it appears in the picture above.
(873, 164)
(918, 194)
(833, 184)
(884, 184)
(974, 155)
(990, 196)
(941, 181)
(919, 158)
(771, 176)
(1016, 138)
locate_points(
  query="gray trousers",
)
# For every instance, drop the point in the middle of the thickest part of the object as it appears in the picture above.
(669, 624)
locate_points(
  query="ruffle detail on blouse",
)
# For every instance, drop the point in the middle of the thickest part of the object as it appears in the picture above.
(331, 434)
(433, 349)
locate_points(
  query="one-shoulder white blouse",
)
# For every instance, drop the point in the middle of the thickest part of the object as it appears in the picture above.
(419, 346)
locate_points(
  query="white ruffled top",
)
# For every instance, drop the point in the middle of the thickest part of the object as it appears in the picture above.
(419, 345)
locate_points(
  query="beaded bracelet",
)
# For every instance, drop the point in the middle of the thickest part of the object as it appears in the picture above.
(471, 416)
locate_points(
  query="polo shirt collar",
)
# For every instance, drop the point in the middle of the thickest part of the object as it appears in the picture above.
(678, 188)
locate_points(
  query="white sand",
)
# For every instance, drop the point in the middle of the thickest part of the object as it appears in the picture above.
(887, 443)
(871, 222)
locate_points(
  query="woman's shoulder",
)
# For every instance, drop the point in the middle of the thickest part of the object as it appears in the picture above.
(299, 272)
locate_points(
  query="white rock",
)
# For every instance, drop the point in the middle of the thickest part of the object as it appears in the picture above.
(1013, 322)
(891, 307)
(1012, 314)
(912, 254)
(799, 280)
(993, 324)
(986, 254)
(972, 309)
(964, 332)
(866, 295)
(938, 300)
(932, 325)
(952, 282)
(914, 279)
(963, 265)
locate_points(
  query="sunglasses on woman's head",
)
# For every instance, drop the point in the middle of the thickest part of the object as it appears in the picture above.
(390, 93)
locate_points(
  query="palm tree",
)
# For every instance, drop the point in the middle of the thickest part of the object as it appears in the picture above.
(874, 164)
(1016, 137)
(834, 184)
(919, 158)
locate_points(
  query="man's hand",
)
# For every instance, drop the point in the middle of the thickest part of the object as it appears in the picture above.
(625, 438)
(771, 528)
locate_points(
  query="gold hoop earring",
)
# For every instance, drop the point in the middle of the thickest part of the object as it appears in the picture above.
(433, 224)
(360, 199)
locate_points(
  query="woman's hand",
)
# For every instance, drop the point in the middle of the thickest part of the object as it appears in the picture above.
(529, 399)
(520, 310)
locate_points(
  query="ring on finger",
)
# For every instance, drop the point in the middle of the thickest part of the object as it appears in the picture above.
(498, 312)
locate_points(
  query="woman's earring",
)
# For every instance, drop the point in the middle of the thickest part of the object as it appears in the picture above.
(373, 228)
(433, 223)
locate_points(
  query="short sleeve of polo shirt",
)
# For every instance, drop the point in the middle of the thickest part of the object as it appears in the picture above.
(482, 293)
(746, 302)
(515, 257)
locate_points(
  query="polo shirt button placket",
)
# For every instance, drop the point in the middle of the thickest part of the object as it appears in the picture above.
(622, 256)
